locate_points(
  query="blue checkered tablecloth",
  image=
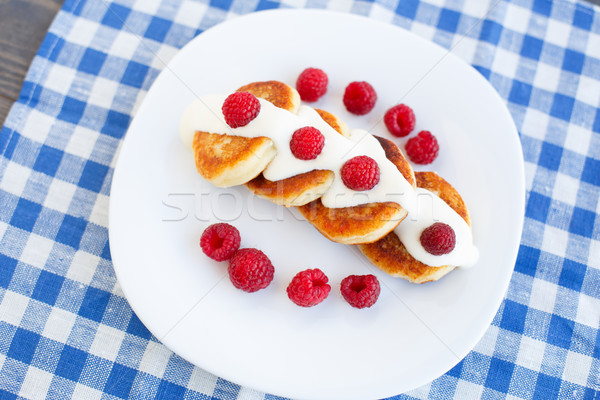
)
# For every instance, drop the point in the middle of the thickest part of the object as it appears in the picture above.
(66, 329)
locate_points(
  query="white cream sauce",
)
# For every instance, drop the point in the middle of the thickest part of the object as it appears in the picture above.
(431, 209)
(279, 125)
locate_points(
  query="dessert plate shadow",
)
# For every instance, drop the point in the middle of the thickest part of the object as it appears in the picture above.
(159, 207)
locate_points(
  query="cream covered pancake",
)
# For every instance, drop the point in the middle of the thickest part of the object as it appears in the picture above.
(391, 253)
(384, 217)
(290, 181)
(363, 223)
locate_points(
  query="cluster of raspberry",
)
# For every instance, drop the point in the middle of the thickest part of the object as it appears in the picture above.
(251, 270)
(359, 99)
(361, 172)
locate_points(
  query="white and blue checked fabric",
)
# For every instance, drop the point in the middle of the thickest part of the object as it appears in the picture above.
(66, 329)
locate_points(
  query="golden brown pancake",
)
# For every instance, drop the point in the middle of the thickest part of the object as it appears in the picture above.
(294, 191)
(395, 155)
(364, 223)
(390, 255)
(275, 92)
(352, 225)
(226, 160)
(333, 121)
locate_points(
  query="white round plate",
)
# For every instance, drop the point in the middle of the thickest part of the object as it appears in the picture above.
(159, 207)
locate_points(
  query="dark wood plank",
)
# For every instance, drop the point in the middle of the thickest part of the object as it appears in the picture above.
(23, 25)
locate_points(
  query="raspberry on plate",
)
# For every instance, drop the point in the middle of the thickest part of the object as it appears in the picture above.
(360, 173)
(240, 108)
(423, 148)
(308, 287)
(307, 143)
(438, 239)
(359, 98)
(312, 84)
(220, 241)
(400, 120)
(250, 270)
(360, 291)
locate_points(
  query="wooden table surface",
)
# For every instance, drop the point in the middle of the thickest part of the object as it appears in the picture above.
(23, 25)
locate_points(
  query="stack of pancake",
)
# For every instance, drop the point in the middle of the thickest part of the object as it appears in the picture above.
(227, 160)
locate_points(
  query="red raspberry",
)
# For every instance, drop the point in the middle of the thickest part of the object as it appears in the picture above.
(307, 143)
(308, 288)
(360, 291)
(438, 239)
(360, 173)
(220, 241)
(400, 120)
(312, 84)
(240, 108)
(250, 270)
(423, 148)
(359, 98)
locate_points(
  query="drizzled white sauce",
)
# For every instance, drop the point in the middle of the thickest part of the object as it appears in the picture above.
(431, 209)
(277, 124)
